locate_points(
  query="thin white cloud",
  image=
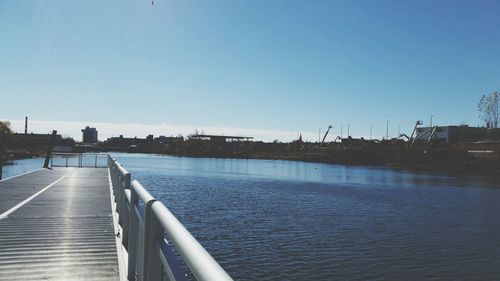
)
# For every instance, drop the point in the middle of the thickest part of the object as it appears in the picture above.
(106, 130)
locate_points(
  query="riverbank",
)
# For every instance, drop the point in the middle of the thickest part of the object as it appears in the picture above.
(475, 157)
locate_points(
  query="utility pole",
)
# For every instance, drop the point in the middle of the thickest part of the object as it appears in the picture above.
(431, 120)
(319, 135)
(387, 130)
(399, 132)
(348, 127)
(341, 130)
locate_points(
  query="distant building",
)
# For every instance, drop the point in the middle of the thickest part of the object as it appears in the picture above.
(89, 135)
(168, 140)
(453, 134)
(122, 141)
(41, 141)
(219, 139)
(149, 140)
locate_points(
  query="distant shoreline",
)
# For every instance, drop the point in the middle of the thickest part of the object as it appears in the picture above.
(471, 168)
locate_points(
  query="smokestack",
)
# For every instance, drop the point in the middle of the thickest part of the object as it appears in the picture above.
(26, 125)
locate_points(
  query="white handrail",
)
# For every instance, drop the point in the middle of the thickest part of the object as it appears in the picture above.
(141, 215)
(201, 263)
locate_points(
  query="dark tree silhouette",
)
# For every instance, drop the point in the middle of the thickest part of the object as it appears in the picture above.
(5, 128)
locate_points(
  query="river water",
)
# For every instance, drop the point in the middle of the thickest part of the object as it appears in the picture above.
(285, 220)
(18, 167)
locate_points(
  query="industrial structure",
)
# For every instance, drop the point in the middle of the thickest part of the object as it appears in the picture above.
(26, 125)
(451, 134)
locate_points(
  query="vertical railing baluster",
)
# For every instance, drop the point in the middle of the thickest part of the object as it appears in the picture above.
(126, 210)
(119, 202)
(118, 199)
(153, 267)
(133, 235)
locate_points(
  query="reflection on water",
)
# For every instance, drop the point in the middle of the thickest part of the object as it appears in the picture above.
(296, 171)
(283, 220)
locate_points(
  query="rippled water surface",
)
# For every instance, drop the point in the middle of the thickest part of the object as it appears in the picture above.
(283, 220)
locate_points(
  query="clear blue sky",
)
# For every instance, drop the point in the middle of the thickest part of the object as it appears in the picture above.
(277, 65)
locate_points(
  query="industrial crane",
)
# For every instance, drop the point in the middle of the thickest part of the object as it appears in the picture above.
(431, 131)
(327, 131)
(414, 131)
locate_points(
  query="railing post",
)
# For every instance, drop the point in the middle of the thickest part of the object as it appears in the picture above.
(153, 267)
(118, 196)
(133, 235)
(114, 178)
(123, 184)
(126, 211)
(95, 166)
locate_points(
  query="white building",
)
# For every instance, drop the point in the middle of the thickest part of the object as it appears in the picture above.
(441, 133)
(451, 134)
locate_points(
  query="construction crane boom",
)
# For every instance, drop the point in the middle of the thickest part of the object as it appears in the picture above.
(324, 137)
(415, 131)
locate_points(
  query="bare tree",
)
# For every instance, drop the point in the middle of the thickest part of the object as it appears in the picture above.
(489, 109)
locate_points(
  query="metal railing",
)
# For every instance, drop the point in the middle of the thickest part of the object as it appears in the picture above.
(80, 160)
(152, 236)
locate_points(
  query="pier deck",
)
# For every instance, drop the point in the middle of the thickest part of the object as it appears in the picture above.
(63, 231)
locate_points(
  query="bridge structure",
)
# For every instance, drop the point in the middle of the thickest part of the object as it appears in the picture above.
(86, 219)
